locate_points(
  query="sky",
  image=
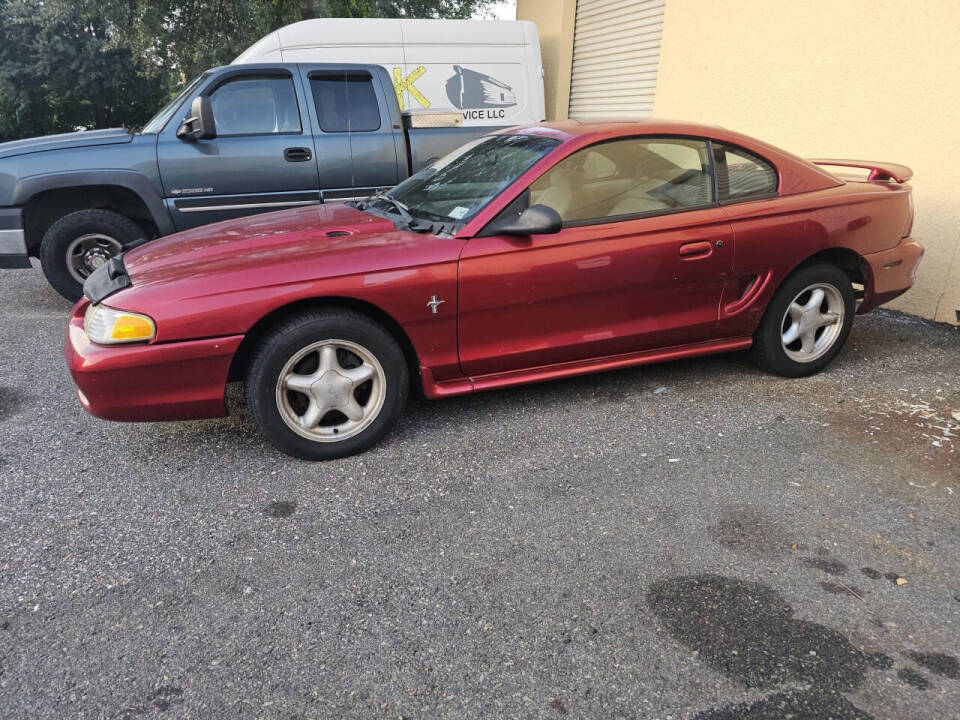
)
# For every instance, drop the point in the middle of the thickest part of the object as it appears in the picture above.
(501, 10)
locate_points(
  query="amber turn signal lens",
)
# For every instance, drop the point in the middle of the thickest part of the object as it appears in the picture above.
(132, 327)
(107, 326)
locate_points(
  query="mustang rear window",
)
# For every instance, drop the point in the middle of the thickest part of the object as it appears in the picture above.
(748, 175)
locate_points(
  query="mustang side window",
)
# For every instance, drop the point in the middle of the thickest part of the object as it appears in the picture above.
(637, 176)
(256, 106)
(745, 176)
(345, 102)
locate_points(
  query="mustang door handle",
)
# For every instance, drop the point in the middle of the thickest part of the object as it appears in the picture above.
(297, 154)
(696, 250)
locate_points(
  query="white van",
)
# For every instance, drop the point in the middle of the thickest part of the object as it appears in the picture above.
(489, 70)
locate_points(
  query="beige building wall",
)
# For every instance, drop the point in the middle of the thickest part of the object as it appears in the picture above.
(866, 79)
(555, 21)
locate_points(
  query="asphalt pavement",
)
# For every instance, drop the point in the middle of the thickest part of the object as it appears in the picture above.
(688, 540)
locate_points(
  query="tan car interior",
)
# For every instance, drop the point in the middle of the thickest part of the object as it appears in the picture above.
(623, 178)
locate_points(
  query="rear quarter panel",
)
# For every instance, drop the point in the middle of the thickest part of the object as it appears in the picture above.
(776, 235)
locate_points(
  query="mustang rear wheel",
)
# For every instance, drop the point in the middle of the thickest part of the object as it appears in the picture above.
(806, 323)
(326, 384)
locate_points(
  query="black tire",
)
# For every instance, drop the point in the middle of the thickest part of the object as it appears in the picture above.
(61, 235)
(768, 349)
(292, 336)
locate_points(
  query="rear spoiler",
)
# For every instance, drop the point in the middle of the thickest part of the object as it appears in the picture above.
(880, 172)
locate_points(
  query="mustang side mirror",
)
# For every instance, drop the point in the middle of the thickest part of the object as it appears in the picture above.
(535, 220)
(199, 124)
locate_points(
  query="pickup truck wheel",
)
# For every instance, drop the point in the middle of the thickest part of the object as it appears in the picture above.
(326, 384)
(78, 243)
(806, 323)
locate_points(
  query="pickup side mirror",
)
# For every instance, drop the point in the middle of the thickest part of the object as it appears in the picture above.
(535, 220)
(199, 124)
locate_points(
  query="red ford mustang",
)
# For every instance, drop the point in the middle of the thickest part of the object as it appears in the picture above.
(535, 253)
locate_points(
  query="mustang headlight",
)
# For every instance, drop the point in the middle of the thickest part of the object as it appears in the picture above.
(106, 326)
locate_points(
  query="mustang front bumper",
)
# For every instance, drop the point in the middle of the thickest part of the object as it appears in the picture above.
(157, 381)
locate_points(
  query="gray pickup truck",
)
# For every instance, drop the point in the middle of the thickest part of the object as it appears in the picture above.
(238, 140)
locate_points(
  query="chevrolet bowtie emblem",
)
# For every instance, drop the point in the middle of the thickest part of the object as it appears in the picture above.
(434, 304)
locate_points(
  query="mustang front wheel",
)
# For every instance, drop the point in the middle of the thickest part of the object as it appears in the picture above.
(326, 384)
(806, 322)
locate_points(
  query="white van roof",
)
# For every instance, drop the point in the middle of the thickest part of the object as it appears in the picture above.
(357, 32)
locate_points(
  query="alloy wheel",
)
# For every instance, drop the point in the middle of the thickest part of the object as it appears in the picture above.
(812, 323)
(331, 390)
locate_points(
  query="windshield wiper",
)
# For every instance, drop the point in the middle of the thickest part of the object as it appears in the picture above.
(435, 216)
(385, 195)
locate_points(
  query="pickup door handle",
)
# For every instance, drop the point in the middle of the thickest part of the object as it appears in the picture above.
(696, 250)
(297, 154)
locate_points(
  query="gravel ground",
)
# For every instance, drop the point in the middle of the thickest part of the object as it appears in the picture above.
(689, 540)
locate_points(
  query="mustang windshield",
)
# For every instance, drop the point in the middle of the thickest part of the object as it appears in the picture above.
(459, 185)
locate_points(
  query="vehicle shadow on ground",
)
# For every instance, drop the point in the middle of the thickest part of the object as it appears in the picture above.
(459, 414)
(33, 297)
(867, 345)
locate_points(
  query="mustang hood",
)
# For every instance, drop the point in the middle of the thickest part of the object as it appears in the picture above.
(289, 246)
(66, 140)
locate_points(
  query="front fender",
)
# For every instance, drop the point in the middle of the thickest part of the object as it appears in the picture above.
(28, 187)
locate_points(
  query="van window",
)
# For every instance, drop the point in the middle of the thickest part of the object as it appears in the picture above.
(747, 175)
(345, 102)
(256, 105)
(635, 176)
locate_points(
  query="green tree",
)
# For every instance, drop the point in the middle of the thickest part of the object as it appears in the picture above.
(63, 65)
(68, 64)
(194, 36)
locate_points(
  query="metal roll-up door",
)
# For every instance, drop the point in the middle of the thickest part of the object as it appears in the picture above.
(616, 50)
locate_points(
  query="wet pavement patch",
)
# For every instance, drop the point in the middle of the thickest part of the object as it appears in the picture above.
(165, 696)
(880, 661)
(10, 401)
(913, 678)
(161, 699)
(747, 631)
(939, 663)
(748, 530)
(832, 567)
(280, 509)
(795, 704)
(841, 589)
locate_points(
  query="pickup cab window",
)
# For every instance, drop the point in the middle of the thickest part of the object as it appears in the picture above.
(345, 102)
(256, 106)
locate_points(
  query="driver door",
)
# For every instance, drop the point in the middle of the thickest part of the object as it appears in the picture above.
(262, 158)
(640, 263)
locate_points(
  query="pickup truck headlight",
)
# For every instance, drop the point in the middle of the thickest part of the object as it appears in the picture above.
(107, 326)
